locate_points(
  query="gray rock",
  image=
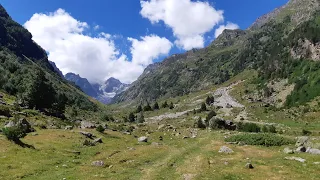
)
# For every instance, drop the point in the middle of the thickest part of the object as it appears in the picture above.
(156, 144)
(302, 141)
(226, 150)
(98, 140)
(249, 166)
(87, 134)
(161, 126)
(313, 151)
(288, 151)
(301, 149)
(68, 128)
(22, 124)
(316, 163)
(295, 159)
(87, 125)
(143, 139)
(98, 163)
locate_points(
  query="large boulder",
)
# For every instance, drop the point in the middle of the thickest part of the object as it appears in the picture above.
(226, 150)
(303, 141)
(87, 125)
(301, 149)
(22, 124)
(313, 151)
(143, 139)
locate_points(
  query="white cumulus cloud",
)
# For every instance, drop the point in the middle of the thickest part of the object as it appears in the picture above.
(95, 58)
(221, 28)
(189, 20)
(149, 48)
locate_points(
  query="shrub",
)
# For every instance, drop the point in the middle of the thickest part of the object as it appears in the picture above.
(139, 109)
(100, 129)
(272, 129)
(209, 100)
(248, 127)
(200, 124)
(211, 115)
(14, 133)
(140, 118)
(171, 106)
(216, 123)
(203, 107)
(306, 132)
(105, 117)
(262, 139)
(4, 110)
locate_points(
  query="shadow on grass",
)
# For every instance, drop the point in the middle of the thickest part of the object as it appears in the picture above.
(24, 145)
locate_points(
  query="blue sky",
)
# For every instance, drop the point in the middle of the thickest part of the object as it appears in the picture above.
(122, 19)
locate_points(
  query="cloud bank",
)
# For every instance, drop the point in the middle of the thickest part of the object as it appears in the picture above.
(189, 20)
(95, 58)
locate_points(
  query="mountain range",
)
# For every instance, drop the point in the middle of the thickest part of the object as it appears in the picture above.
(102, 92)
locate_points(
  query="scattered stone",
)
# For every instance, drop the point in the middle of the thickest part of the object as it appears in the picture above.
(295, 159)
(98, 163)
(241, 143)
(127, 132)
(68, 128)
(156, 144)
(98, 140)
(313, 151)
(316, 163)
(87, 134)
(211, 162)
(160, 138)
(161, 126)
(131, 148)
(87, 125)
(249, 166)
(226, 150)
(143, 139)
(185, 137)
(302, 141)
(177, 134)
(226, 163)
(288, 151)
(301, 149)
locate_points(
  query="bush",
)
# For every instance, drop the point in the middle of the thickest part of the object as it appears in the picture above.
(140, 118)
(270, 129)
(209, 100)
(156, 106)
(14, 133)
(171, 106)
(216, 123)
(248, 127)
(200, 124)
(203, 107)
(211, 115)
(4, 110)
(261, 139)
(132, 117)
(306, 132)
(100, 129)
(105, 117)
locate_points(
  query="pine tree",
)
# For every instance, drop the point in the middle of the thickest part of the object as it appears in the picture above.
(147, 108)
(156, 106)
(139, 108)
(132, 117)
(165, 105)
(203, 107)
(140, 118)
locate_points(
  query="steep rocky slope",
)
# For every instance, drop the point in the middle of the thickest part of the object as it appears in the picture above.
(265, 47)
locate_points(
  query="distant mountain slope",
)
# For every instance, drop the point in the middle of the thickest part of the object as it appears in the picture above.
(260, 48)
(56, 69)
(26, 72)
(102, 92)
